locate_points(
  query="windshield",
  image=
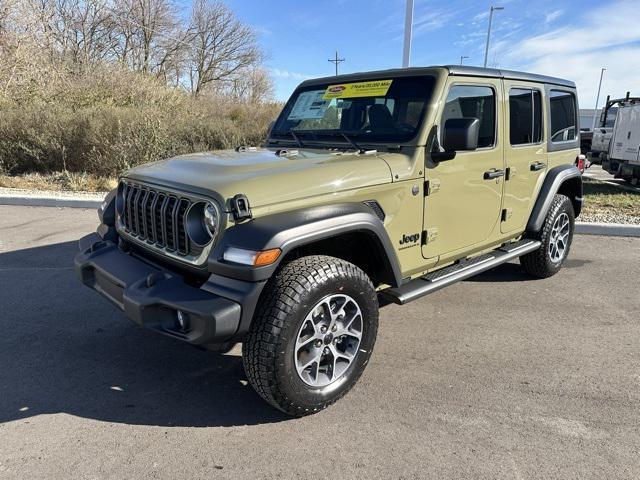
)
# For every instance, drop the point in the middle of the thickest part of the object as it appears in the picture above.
(386, 110)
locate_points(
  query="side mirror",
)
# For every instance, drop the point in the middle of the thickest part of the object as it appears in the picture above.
(461, 134)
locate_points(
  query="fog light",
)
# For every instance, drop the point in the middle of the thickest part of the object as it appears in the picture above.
(182, 320)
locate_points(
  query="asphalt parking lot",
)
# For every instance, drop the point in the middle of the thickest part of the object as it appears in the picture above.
(501, 376)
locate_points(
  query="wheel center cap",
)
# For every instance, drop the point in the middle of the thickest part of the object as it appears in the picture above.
(328, 338)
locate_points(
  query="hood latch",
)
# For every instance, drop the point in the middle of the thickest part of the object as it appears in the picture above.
(240, 208)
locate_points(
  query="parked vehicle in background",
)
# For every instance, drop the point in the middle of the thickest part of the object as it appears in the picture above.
(586, 138)
(604, 129)
(380, 185)
(623, 157)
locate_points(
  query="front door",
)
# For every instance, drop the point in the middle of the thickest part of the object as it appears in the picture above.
(462, 207)
(525, 152)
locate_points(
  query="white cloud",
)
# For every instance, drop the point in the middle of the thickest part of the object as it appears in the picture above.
(578, 51)
(552, 16)
(280, 73)
(430, 21)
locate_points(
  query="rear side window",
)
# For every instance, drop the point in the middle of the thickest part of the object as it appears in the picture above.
(563, 116)
(525, 116)
(470, 101)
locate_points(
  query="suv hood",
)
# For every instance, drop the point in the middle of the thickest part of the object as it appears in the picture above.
(264, 177)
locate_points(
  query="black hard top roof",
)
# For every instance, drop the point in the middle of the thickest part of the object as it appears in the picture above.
(452, 70)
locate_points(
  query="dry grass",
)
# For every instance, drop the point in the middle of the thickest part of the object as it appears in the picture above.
(69, 181)
(106, 120)
(601, 197)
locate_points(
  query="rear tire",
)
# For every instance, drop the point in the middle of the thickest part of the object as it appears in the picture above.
(556, 236)
(290, 354)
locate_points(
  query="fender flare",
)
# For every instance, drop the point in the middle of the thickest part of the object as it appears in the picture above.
(552, 183)
(292, 229)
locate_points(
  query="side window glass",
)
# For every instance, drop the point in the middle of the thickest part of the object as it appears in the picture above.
(525, 116)
(563, 116)
(466, 101)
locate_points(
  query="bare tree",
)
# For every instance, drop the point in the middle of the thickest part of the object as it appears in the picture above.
(149, 37)
(253, 85)
(211, 52)
(220, 46)
(77, 30)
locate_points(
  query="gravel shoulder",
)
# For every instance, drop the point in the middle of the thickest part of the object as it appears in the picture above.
(607, 203)
(25, 192)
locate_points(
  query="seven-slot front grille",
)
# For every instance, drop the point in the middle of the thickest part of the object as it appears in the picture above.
(156, 217)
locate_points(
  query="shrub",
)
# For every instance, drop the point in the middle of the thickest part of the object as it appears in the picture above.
(108, 119)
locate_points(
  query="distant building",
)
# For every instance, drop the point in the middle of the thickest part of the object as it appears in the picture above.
(586, 118)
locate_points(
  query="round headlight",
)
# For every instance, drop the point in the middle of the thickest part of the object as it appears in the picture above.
(203, 222)
(211, 219)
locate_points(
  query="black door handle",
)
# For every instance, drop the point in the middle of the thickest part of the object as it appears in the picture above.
(537, 166)
(495, 173)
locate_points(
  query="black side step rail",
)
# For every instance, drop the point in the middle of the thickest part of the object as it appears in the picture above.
(462, 270)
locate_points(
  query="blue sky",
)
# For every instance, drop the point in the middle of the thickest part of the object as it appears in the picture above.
(568, 38)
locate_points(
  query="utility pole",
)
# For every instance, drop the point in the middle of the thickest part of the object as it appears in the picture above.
(408, 27)
(336, 60)
(486, 48)
(462, 57)
(595, 110)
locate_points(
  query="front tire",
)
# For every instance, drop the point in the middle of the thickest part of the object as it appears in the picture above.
(555, 236)
(312, 335)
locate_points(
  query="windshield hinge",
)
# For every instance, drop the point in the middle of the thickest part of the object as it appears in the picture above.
(245, 148)
(283, 152)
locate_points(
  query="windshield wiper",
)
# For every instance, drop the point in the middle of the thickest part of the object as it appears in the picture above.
(352, 142)
(296, 138)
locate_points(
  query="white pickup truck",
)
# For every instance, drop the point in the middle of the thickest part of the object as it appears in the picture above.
(602, 133)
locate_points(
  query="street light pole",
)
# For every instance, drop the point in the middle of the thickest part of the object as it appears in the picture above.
(595, 110)
(408, 26)
(486, 48)
(462, 57)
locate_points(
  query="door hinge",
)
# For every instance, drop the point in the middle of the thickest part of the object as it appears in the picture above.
(429, 235)
(507, 174)
(506, 214)
(431, 186)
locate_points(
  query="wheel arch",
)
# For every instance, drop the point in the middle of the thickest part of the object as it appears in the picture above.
(565, 180)
(326, 230)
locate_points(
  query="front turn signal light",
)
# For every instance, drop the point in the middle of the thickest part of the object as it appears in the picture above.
(266, 257)
(250, 257)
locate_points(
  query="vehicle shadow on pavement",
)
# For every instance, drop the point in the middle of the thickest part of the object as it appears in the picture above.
(513, 272)
(507, 272)
(66, 349)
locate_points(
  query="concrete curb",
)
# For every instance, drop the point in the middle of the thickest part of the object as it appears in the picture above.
(608, 229)
(51, 201)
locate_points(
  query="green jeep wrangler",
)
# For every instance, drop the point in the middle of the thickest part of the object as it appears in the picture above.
(371, 188)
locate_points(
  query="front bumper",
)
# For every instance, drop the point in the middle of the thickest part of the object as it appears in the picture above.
(152, 296)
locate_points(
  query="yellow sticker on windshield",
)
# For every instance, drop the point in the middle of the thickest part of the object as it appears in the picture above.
(374, 88)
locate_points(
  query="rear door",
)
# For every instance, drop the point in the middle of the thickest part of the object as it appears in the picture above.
(525, 152)
(462, 207)
(626, 138)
